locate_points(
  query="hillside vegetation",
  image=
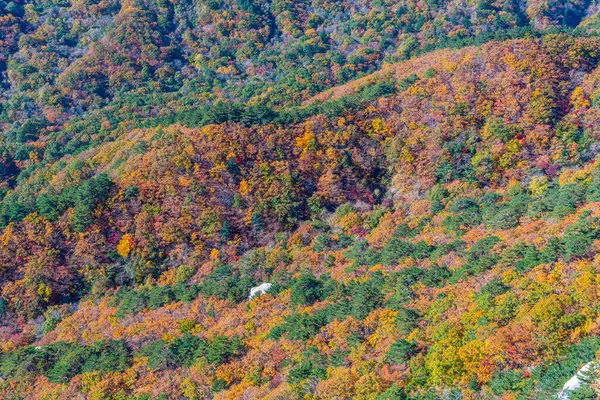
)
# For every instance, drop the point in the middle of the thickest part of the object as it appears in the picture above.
(419, 182)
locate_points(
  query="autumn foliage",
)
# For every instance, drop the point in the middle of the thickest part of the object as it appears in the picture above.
(429, 229)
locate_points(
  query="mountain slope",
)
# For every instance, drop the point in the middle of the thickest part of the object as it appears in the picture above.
(61, 60)
(439, 239)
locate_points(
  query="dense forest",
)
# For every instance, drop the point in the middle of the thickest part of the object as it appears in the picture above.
(418, 182)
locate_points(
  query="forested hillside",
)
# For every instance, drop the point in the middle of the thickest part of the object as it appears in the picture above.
(419, 182)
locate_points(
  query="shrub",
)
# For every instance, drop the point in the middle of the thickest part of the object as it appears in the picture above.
(306, 290)
(400, 352)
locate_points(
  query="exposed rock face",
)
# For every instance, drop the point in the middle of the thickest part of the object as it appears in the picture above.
(575, 382)
(260, 289)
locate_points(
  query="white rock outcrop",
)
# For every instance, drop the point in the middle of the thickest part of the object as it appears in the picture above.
(259, 290)
(575, 383)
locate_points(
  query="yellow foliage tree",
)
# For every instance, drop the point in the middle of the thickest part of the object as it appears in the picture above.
(244, 188)
(579, 99)
(307, 141)
(126, 245)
